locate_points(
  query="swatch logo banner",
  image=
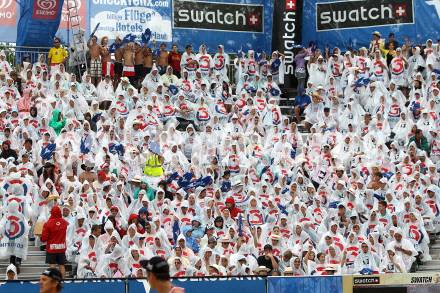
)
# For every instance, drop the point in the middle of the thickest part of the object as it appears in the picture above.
(218, 16)
(355, 14)
(46, 9)
(8, 12)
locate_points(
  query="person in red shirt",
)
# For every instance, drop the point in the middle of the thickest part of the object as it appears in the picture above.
(54, 234)
(174, 58)
(233, 210)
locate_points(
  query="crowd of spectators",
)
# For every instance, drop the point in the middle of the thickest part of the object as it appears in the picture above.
(158, 153)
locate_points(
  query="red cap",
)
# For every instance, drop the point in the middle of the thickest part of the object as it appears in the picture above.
(230, 200)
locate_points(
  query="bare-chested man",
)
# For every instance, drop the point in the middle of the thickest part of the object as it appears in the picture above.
(106, 59)
(95, 60)
(139, 64)
(128, 71)
(119, 55)
(162, 59)
(148, 59)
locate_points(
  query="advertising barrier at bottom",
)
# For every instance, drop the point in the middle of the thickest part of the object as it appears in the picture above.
(74, 286)
(193, 285)
(394, 283)
(304, 284)
(391, 283)
(203, 285)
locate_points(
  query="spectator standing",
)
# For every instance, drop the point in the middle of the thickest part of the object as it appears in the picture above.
(57, 55)
(54, 234)
(162, 59)
(300, 69)
(95, 60)
(174, 58)
(391, 42)
(376, 43)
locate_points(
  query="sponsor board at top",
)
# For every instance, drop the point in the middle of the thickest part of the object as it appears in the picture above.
(349, 24)
(353, 14)
(82, 13)
(122, 17)
(218, 16)
(141, 3)
(8, 12)
(46, 9)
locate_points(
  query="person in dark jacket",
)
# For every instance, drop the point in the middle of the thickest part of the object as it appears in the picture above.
(7, 152)
(301, 102)
(54, 234)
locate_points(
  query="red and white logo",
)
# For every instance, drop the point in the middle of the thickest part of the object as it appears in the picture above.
(254, 19)
(16, 228)
(220, 62)
(47, 4)
(290, 5)
(8, 11)
(46, 9)
(400, 10)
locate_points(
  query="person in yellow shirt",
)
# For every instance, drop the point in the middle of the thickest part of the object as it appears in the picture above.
(57, 55)
(376, 43)
(153, 164)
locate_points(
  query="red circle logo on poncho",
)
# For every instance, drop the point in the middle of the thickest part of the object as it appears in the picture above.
(398, 66)
(121, 108)
(220, 62)
(203, 114)
(16, 229)
(414, 233)
(168, 110)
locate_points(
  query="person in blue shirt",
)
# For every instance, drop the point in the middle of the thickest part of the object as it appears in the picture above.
(197, 227)
(301, 102)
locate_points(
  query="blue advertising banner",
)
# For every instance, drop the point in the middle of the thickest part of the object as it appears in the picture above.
(39, 21)
(92, 286)
(233, 23)
(350, 23)
(19, 287)
(304, 284)
(203, 285)
(237, 24)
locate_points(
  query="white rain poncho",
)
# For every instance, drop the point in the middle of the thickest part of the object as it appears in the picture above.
(14, 231)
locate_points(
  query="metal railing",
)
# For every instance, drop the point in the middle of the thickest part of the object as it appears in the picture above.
(17, 54)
